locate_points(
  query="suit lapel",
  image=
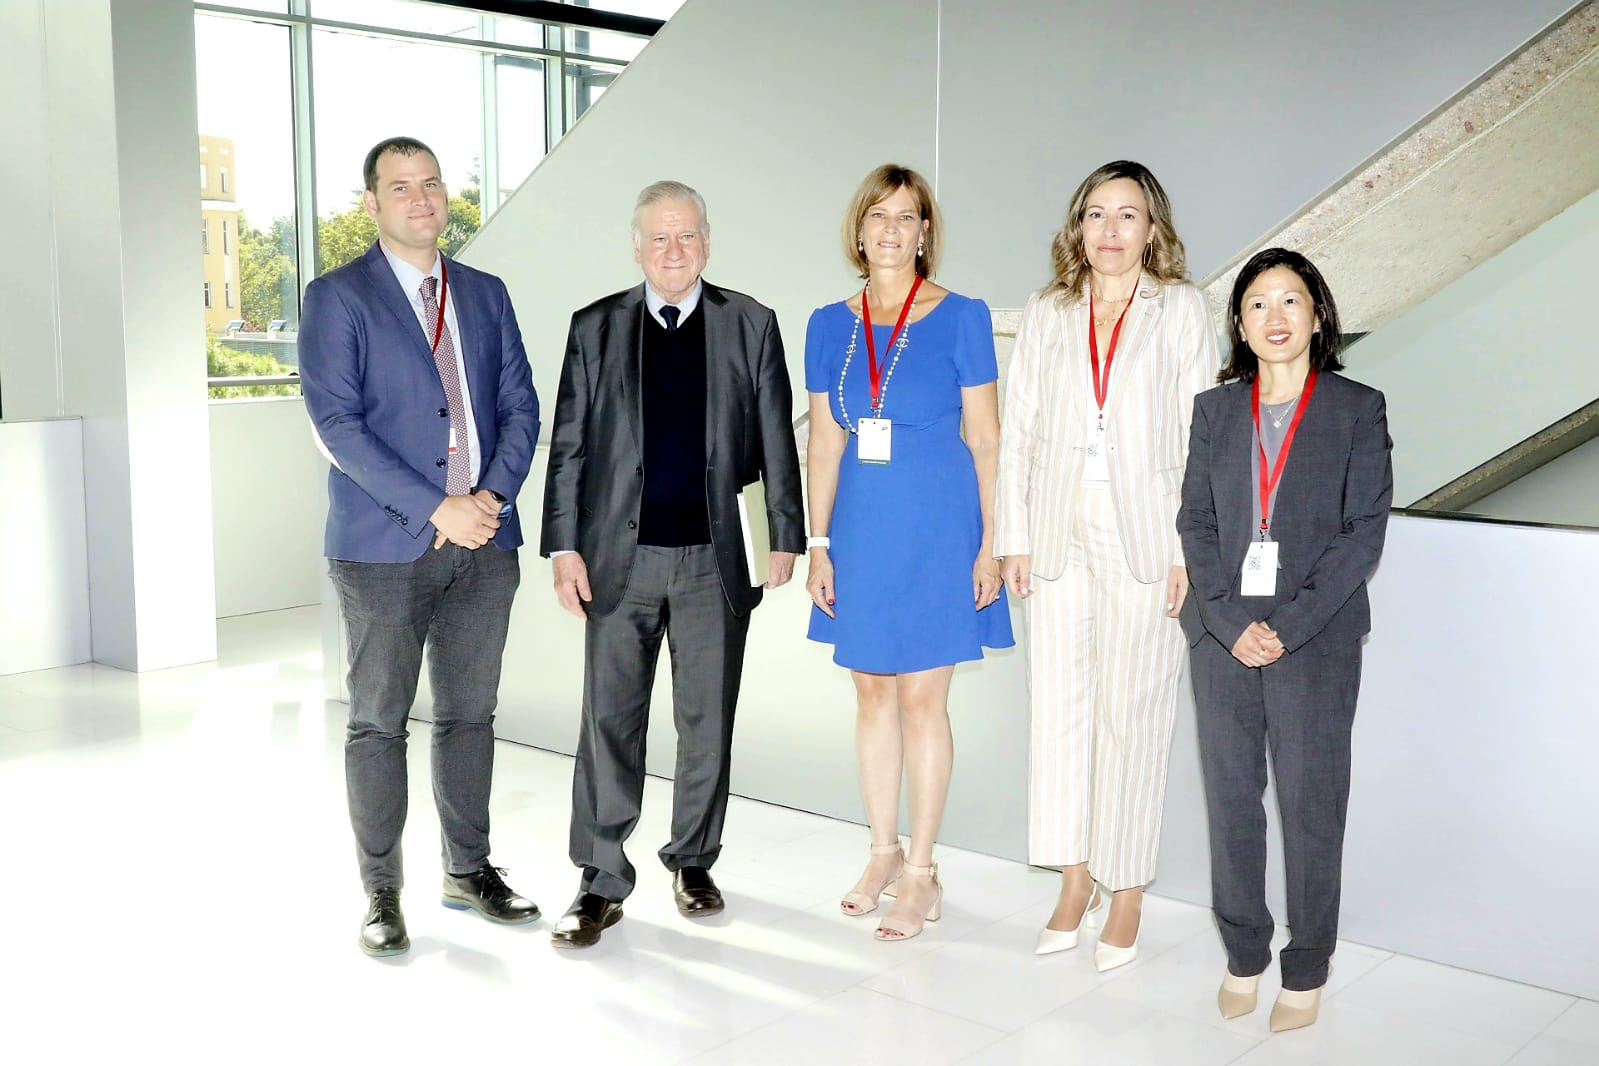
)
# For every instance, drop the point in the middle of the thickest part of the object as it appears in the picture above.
(1236, 488)
(381, 275)
(627, 347)
(1130, 345)
(472, 342)
(718, 346)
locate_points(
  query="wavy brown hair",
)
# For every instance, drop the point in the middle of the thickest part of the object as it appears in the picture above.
(1164, 258)
(879, 185)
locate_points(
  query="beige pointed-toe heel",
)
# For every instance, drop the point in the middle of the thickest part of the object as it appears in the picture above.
(1238, 996)
(1295, 1009)
(1053, 940)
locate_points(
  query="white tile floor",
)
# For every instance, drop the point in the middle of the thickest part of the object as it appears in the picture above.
(181, 889)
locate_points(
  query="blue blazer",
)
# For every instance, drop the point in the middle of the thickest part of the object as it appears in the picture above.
(1330, 516)
(375, 400)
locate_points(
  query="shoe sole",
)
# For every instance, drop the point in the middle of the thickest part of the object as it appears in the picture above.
(566, 943)
(467, 905)
(384, 953)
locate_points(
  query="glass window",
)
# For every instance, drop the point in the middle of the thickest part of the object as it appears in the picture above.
(604, 44)
(586, 83)
(205, 237)
(245, 116)
(401, 15)
(520, 117)
(204, 180)
(653, 9)
(224, 180)
(441, 105)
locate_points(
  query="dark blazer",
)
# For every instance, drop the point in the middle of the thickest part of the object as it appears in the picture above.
(375, 399)
(1329, 519)
(596, 474)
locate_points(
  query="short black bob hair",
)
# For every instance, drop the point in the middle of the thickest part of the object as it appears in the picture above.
(401, 145)
(1324, 346)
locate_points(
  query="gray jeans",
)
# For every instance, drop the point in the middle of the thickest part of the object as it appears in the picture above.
(457, 604)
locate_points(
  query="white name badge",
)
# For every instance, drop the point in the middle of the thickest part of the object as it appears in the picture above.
(1095, 464)
(452, 440)
(876, 439)
(1260, 569)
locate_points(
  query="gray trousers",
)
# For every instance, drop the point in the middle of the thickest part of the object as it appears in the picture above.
(457, 603)
(675, 593)
(1302, 708)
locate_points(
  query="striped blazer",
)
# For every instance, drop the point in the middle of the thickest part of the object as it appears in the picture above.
(1166, 355)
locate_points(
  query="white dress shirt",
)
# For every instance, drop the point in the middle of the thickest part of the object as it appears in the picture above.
(410, 279)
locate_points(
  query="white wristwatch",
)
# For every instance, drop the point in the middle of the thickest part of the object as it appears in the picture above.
(817, 542)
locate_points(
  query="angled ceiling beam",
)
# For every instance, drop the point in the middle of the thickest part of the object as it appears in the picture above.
(1517, 461)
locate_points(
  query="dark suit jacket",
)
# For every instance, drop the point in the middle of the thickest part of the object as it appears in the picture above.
(1329, 519)
(596, 475)
(373, 393)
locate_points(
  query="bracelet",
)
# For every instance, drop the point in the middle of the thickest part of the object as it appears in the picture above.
(817, 542)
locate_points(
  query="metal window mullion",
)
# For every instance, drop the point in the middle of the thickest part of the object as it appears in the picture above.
(488, 182)
(305, 204)
(554, 88)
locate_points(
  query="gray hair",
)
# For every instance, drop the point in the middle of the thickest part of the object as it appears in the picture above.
(657, 192)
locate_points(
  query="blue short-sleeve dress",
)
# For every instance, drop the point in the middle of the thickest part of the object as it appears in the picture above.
(905, 534)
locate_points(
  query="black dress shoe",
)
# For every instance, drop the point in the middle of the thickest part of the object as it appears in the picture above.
(696, 894)
(589, 916)
(383, 932)
(485, 892)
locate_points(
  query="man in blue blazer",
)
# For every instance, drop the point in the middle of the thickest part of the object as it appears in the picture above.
(419, 391)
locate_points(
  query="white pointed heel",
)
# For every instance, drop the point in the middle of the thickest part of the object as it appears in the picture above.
(1053, 940)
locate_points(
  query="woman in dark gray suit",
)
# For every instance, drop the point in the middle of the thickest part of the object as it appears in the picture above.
(1285, 504)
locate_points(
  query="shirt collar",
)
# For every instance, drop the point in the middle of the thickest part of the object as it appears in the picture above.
(655, 301)
(409, 277)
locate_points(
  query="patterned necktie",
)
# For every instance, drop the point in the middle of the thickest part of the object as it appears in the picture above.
(670, 313)
(458, 476)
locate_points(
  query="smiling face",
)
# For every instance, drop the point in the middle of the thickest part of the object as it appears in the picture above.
(671, 244)
(1116, 227)
(409, 203)
(892, 229)
(1277, 318)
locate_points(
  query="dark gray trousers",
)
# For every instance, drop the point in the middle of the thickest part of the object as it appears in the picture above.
(1303, 709)
(457, 603)
(675, 593)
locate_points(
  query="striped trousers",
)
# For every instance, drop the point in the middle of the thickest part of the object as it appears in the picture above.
(1103, 667)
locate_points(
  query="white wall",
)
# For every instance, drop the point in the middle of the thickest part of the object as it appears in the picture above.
(775, 111)
(1491, 359)
(100, 306)
(44, 571)
(269, 502)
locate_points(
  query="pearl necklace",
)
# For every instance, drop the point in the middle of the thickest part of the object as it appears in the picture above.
(849, 354)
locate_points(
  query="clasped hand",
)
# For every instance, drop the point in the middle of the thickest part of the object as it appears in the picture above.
(470, 521)
(1258, 646)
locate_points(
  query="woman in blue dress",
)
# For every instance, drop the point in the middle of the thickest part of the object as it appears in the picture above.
(902, 568)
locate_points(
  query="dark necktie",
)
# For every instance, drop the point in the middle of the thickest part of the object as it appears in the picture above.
(670, 314)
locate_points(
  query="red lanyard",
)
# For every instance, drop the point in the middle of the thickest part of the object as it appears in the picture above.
(1102, 385)
(1267, 484)
(444, 292)
(872, 364)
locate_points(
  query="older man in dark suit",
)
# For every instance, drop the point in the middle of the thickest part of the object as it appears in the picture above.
(420, 393)
(674, 397)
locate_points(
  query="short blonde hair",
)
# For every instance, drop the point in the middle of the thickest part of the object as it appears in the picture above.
(1164, 259)
(879, 185)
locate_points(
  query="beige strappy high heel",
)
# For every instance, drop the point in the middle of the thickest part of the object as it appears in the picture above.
(895, 928)
(857, 901)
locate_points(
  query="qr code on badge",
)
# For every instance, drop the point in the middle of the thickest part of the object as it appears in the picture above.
(1252, 563)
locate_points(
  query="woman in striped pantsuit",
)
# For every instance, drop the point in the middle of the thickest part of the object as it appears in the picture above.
(1101, 386)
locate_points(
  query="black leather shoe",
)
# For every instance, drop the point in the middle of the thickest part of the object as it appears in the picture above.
(485, 892)
(589, 916)
(696, 894)
(383, 932)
